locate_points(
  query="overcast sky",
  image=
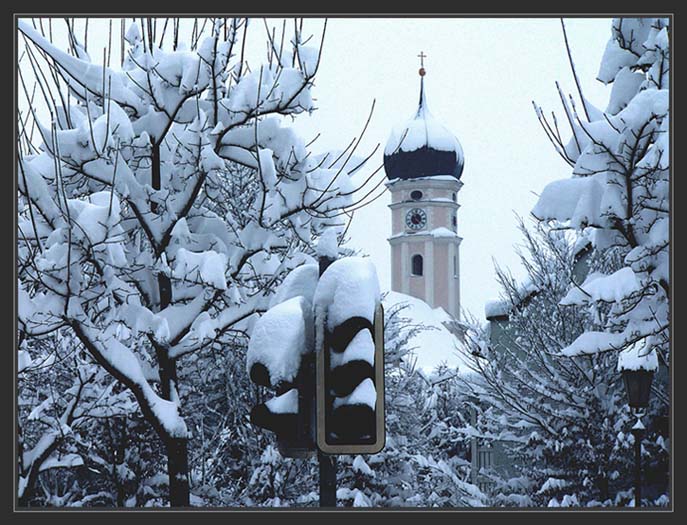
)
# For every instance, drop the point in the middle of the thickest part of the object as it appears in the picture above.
(482, 75)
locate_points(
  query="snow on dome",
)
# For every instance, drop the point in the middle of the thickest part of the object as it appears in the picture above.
(423, 130)
(422, 147)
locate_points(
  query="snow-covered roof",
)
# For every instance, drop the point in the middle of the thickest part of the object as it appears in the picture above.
(503, 307)
(436, 345)
(496, 308)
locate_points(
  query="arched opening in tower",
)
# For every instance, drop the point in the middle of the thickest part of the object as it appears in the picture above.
(416, 265)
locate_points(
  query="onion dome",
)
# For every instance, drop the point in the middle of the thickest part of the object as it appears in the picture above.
(422, 147)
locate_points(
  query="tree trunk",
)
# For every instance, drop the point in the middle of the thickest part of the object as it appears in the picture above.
(177, 448)
(177, 468)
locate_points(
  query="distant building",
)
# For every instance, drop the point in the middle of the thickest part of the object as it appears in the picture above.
(493, 455)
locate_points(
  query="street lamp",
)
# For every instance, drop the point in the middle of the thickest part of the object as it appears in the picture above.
(638, 388)
(637, 366)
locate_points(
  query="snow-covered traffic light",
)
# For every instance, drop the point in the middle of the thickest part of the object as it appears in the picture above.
(320, 347)
(280, 357)
(349, 323)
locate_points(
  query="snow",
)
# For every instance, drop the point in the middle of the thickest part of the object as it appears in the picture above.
(66, 461)
(279, 339)
(553, 484)
(359, 465)
(348, 288)
(208, 267)
(268, 171)
(614, 59)
(361, 348)
(577, 200)
(503, 306)
(96, 219)
(433, 346)
(286, 403)
(594, 342)
(132, 35)
(637, 357)
(308, 58)
(328, 244)
(24, 360)
(496, 308)
(437, 233)
(275, 90)
(607, 288)
(423, 130)
(625, 86)
(364, 394)
(121, 358)
(85, 73)
(300, 281)
(442, 232)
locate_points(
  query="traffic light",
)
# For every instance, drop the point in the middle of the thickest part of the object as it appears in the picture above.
(350, 360)
(321, 349)
(280, 357)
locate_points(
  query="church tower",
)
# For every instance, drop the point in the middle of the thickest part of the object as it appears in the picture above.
(424, 161)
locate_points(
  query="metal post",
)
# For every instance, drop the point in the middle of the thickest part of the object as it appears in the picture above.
(327, 463)
(474, 459)
(638, 434)
(327, 480)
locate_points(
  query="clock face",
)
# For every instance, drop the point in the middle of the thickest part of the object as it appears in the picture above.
(416, 219)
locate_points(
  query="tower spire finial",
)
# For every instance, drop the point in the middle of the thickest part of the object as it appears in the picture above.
(422, 57)
(422, 73)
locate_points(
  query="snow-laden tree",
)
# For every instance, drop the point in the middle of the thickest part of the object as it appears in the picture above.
(63, 398)
(618, 196)
(160, 202)
(563, 420)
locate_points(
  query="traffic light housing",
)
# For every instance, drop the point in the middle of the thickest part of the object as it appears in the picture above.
(280, 357)
(320, 347)
(350, 387)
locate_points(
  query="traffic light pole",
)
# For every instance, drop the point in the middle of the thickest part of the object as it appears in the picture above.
(327, 480)
(327, 463)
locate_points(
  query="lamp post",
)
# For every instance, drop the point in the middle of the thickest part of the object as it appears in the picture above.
(638, 387)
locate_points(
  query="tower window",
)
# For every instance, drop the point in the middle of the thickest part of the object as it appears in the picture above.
(455, 266)
(454, 221)
(416, 195)
(454, 196)
(416, 265)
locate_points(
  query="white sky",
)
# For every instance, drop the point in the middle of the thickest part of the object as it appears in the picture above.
(482, 75)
